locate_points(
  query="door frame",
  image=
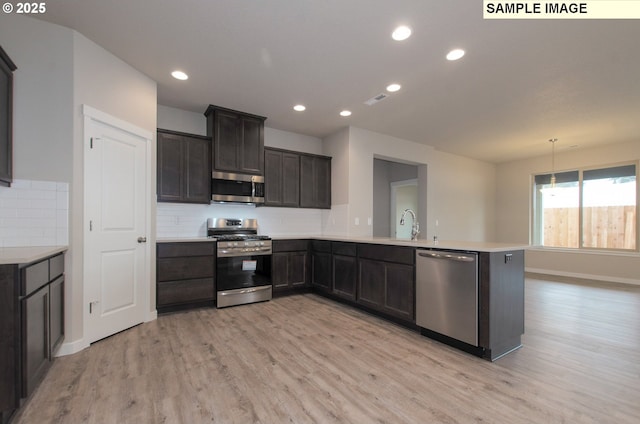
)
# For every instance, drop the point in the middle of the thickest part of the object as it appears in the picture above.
(392, 213)
(90, 114)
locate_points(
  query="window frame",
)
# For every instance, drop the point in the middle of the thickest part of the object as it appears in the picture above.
(536, 217)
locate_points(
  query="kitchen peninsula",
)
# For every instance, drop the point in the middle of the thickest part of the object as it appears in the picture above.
(378, 275)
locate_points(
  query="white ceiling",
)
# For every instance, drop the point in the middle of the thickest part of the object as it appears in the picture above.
(520, 83)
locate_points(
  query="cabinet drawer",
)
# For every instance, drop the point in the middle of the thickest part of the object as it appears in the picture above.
(402, 255)
(34, 277)
(345, 249)
(169, 250)
(170, 269)
(321, 246)
(188, 291)
(56, 267)
(290, 245)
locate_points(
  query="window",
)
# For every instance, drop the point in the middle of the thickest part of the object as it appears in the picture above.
(592, 208)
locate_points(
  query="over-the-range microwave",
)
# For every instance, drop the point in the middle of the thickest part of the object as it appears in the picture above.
(237, 188)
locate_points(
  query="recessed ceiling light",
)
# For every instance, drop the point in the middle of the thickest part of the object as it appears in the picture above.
(455, 54)
(393, 87)
(345, 113)
(299, 108)
(179, 75)
(401, 33)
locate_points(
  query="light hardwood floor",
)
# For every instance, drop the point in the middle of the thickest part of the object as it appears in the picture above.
(305, 359)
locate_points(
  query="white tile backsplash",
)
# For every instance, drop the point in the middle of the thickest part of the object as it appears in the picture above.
(184, 220)
(34, 213)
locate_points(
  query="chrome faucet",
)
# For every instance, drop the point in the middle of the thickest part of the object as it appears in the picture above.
(415, 226)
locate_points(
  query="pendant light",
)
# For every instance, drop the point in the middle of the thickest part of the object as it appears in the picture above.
(553, 161)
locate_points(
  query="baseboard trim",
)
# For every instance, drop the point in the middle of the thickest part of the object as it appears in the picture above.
(604, 278)
(69, 348)
(152, 316)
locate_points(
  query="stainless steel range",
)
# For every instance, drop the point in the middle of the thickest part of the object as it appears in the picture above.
(243, 269)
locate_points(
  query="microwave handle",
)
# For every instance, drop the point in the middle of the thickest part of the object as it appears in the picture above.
(257, 189)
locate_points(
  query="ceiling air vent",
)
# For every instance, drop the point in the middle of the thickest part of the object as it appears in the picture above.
(376, 99)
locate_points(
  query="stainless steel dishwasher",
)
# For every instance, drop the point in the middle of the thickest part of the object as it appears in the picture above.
(447, 293)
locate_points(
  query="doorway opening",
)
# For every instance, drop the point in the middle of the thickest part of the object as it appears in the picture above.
(404, 195)
(395, 188)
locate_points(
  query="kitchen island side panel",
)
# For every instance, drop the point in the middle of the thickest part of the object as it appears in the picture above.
(9, 341)
(501, 321)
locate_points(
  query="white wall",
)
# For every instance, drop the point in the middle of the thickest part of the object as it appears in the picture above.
(170, 118)
(462, 198)
(513, 207)
(43, 97)
(335, 220)
(381, 198)
(292, 141)
(58, 71)
(458, 191)
(106, 83)
(35, 210)
(181, 120)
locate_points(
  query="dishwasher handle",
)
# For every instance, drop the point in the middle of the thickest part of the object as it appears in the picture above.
(447, 256)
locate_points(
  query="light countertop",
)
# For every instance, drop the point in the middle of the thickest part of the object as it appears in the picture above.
(25, 255)
(184, 239)
(474, 246)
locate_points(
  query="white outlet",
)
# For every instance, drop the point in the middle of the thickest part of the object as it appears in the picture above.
(369, 221)
(357, 221)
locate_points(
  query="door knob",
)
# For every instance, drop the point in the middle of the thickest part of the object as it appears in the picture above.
(142, 239)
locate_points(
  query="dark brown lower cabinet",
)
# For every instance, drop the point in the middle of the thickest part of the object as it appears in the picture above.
(9, 341)
(289, 270)
(35, 339)
(56, 316)
(42, 318)
(185, 275)
(385, 286)
(345, 269)
(31, 327)
(321, 265)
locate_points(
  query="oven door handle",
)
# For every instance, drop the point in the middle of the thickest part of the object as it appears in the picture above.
(257, 251)
(244, 291)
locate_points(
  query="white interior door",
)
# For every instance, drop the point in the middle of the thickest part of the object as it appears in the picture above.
(115, 251)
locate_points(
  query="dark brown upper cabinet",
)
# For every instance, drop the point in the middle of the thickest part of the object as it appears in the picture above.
(238, 140)
(296, 180)
(315, 181)
(184, 168)
(6, 118)
(282, 178)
